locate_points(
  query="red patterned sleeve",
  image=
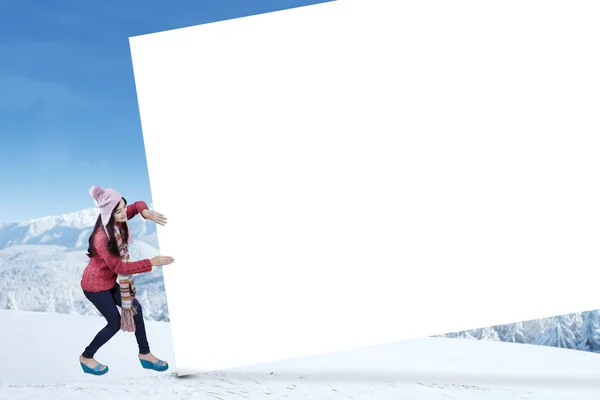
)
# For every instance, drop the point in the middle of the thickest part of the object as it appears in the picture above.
(136, 208)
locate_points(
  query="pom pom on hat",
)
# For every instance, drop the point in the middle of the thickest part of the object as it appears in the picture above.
(96, 192)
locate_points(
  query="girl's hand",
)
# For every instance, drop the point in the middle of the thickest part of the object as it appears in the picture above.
(155, 217)
(159, 261)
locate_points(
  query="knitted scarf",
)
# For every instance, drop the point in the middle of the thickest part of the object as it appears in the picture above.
(127, 286)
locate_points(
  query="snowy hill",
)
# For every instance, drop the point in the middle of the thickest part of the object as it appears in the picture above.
(44, 365)
(41, 262)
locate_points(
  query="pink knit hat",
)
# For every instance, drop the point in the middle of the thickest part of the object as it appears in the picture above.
(106, 200)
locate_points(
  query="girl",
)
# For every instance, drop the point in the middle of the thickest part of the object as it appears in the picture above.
(109, 260)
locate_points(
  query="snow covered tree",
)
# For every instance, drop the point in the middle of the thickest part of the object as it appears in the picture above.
(501, 329)
(51, 307)
(576, 325)
(465, 335)
(12, 302)
(534, 329)
(513, 333)
(445, 335)
(589, 339)
(558, 333)
(487, 333)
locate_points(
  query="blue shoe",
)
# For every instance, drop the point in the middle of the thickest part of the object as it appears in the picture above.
(157, 366)
(94, 371)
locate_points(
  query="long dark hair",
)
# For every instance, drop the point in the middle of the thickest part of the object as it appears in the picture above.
(111, 244)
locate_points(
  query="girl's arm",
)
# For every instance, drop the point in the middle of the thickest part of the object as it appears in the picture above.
(114, 263)
(136, 208)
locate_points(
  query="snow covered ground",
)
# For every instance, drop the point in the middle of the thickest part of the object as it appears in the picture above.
(39, 354)
(40, 266)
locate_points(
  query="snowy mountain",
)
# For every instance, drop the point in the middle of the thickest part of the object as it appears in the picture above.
(41, 262)
(70, 230)
(424, 369)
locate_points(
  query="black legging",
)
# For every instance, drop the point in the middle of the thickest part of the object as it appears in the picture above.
(106, 302)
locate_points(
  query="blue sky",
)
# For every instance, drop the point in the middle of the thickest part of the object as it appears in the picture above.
(68, 107)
